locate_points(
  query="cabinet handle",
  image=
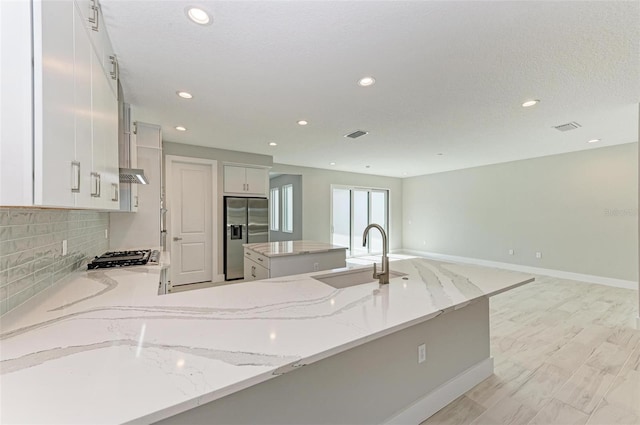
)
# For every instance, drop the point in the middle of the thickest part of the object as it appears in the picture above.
(115, 189)
(75, 176)
(259, 258)
(95, 185)
(253, 271)
(136, 199)
(94, 19)
(114, 67)
(176, 239)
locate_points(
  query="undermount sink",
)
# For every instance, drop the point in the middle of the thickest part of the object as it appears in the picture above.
(352, 277)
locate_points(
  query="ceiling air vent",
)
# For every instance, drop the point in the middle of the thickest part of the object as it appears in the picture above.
(356, 134)
(568, 126)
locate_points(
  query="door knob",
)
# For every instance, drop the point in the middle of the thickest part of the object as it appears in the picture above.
(175, 238)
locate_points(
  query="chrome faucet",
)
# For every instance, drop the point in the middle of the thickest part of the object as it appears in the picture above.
(383, 276)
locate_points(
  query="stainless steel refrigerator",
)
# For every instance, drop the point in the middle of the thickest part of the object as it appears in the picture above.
(246, 220)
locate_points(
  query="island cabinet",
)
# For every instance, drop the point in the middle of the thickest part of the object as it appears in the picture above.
(244, 180)
(70, 158)
(276, 259)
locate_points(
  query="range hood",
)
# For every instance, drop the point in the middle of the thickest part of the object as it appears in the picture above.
(127, 174)
(133, 175)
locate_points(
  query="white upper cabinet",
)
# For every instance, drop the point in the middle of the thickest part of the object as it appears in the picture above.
(54, 106)
(245, 180)
(74, 155)
(93, 21)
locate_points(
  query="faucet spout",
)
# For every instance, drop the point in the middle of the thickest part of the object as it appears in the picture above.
(383, 276)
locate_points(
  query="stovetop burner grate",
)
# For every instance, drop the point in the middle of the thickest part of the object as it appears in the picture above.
(124, 258)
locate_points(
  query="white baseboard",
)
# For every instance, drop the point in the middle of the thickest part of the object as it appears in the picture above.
(444, 394)
(608, 281)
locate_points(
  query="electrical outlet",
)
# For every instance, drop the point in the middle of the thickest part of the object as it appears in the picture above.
(64, 247)
(511, 252)
(422, 353)
(538, 255)
(316, 266)
(106, 233)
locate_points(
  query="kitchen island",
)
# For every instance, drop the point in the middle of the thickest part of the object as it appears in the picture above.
(103, 347)
(285, 258)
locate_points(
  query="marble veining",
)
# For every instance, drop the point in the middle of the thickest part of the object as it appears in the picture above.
(97, 276)
(147, 356)
(283, 248)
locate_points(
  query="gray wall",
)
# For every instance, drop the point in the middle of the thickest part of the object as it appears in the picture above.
(31, 249)
(578, 209)
(296, 181)
(316, 204)
(368, 384)
(171, 148)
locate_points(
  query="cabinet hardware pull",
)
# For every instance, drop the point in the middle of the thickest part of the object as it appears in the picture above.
(176, 239)
(259, 258)
(114, 187)
(95, 184)
(114, 67)
(75, 176)
(136, 198)
(95, 18)
(253, 271)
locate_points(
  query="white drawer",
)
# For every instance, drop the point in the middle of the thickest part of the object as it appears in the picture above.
(258, 258)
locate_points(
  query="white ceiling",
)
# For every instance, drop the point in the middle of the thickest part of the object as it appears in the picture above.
(450, 78)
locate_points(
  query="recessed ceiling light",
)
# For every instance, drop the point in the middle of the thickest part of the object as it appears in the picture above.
(184, 94)
(530, 103)
(404, 174)
(302, 122)
(181, 128)
(198, 15)
(593, 141)
(332, 163)
(366, 81)
(273, 144)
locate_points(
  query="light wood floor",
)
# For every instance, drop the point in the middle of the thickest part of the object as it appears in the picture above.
(565, 353)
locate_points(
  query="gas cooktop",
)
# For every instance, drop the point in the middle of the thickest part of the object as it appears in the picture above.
(125, 258)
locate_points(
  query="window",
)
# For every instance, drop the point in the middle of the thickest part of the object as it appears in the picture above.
(353, 209)
(287, 208)
(274, 209)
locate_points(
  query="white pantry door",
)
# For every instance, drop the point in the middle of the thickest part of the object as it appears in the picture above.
(191, 222)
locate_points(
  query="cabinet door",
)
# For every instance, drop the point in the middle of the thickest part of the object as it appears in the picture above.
(109, 60)
(234, 179)
(54, 117)
(256, 180)
(254, 271)
(82, 93)
(261, 272)
(249, 270)
(111, 166)
(100, 136)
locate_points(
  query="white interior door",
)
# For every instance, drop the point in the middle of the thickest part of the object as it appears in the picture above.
(191, 222)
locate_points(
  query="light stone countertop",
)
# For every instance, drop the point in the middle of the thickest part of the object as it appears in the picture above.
(102, 347)
(285, 248)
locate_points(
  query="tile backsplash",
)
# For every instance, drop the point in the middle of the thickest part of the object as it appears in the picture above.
(31, 257)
